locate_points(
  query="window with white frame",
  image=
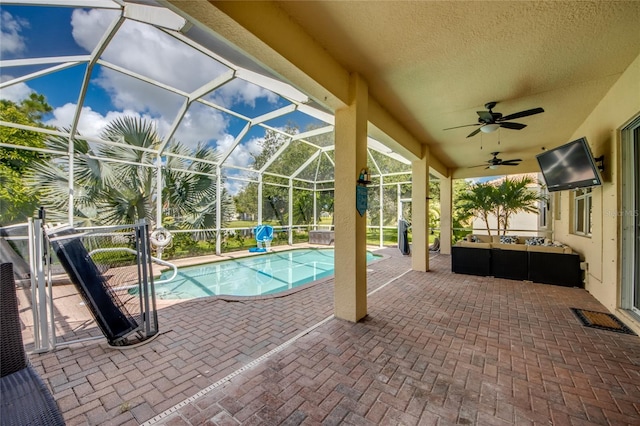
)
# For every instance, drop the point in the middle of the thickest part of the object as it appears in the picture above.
(582, 212)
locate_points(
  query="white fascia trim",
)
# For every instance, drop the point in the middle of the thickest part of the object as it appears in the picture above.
(32, 148)
(314, 132)
(274, 114)
(212, 85)
(276, 154)
(235, 143)
(244, 169)
(305, 164)
(174, 126)
(157, 16)
(384, 150)
(141, 77)
(223, 109)
(106, 38)
(189, 158)
(317, 114)
(41, 61)
(283, 89)
(80, 137)
(373, 160)
(288, 135)
(186, 40)
(330, 160)
(93, 4)
(38, 74)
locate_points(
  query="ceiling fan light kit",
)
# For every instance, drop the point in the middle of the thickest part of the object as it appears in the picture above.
(489, 128)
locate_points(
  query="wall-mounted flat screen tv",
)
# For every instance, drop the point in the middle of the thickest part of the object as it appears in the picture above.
(569, 166)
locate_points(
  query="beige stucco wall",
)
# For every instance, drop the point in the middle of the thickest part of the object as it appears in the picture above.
(602, 250)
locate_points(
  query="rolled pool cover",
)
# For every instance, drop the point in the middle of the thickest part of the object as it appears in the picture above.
(108, 311)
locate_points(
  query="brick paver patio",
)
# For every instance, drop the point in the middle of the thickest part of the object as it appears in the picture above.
(436, 348)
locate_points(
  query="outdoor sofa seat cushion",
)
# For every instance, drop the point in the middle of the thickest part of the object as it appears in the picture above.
(25, 399)
(550, 249)
(474, 238)
(485, 242)
(515, 247)
(473, 245)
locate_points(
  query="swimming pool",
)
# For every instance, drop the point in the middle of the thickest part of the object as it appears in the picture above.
(250, 276)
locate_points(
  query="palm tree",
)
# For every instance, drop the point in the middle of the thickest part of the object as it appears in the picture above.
(480, 201)
(503, 200)
(109, 193)
(514, 196)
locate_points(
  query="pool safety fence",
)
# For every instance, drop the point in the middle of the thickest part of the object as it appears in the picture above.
(112, 270)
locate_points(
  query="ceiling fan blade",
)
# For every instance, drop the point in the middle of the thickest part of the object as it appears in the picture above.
(475, 132)
(466, 125)
(479, 165)
(486, 116)
(514, 126)
(514, 162)
(522, 114)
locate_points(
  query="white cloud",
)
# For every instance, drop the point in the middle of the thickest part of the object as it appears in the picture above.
(16, 92)
(88, 26)
(130, 93)
(243, 154)
(234, 186)
(92, 123)
(240, 91)
(150, 52)
(10, 28)
(201, 123)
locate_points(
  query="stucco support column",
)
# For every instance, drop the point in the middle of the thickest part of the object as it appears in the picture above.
(419, 213)
(350, 289)
(446, 217)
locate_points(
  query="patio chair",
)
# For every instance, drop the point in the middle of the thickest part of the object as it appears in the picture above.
(26, 400)
(436, 245)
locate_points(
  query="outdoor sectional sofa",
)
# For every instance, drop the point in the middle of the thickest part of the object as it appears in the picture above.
(518, 258)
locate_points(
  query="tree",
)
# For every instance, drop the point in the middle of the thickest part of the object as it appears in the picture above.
(114, 192)
(514, 196)
(501, 200)
(18, 200)
(480, 201)
(274, 196)
(460, 216)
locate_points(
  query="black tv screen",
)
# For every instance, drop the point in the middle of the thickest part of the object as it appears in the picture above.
(569, 166)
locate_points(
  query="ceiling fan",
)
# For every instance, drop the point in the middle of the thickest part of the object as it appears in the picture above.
(490, 121)
(495, 162)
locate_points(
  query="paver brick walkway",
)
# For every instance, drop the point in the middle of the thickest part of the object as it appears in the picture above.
(436, 348)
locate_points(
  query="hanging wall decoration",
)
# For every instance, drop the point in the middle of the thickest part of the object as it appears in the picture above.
(361, 191)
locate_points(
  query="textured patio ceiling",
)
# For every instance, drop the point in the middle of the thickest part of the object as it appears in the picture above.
(433, 64)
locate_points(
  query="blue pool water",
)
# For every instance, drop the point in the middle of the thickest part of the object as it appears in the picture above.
(267, 273)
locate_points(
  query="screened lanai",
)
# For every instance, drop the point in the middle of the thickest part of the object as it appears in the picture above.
(144, 114)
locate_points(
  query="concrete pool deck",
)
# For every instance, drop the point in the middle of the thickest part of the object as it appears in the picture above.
(436, 348)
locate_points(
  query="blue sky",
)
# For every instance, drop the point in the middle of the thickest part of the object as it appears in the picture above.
(33, 32)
